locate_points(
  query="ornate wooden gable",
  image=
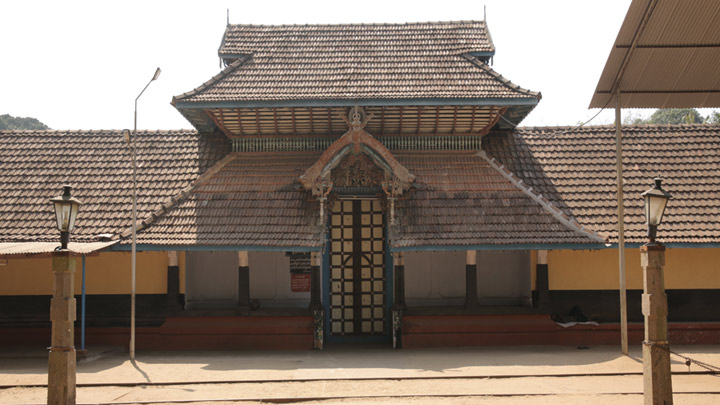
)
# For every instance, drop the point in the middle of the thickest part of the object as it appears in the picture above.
(357, 160)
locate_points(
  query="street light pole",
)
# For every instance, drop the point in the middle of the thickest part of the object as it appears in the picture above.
(133, 253)
(657, 381)
(62, 357)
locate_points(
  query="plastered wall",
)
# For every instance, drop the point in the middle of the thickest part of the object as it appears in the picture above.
(106, 273)
(435, 278)
(270, 281)
(694, 268)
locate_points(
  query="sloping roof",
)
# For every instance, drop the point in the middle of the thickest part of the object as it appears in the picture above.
(279, 65)
(35, 164)
(40, 248)
(463, 199)
(666, 55)
(253, 199)
(575, 169)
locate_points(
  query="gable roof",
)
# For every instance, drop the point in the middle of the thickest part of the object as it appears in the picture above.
(575, 169)
(248, 199)
(465, 199)
(35, 164)
(356, 64)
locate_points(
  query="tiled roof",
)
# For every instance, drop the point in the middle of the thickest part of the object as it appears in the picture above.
(250, 199)
(35, 164)
(462, 198)
(356, 62)
(575, 169)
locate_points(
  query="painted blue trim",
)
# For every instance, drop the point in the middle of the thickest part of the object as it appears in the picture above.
(527, 246)
(210, 248)
(561, 246)
(360, 102)
(482, 54)
(82, 306)
(326, 281)
(389, 280)
(233, 55)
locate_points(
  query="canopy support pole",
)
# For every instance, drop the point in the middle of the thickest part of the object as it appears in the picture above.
(621, 226)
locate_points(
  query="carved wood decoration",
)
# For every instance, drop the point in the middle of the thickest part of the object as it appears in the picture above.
(356, 144)
(357, 170)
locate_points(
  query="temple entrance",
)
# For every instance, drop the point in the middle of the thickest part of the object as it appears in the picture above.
(357, 271)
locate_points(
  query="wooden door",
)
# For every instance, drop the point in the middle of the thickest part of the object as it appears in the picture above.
(357, 263)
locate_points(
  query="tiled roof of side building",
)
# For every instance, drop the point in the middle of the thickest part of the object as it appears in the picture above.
(35, 164)
(247, 199)
(464, 199)
(282, 64)
(575, 169)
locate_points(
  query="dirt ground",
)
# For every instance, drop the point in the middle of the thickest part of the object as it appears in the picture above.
(488, 375)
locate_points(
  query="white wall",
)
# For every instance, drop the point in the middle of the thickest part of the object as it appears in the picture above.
(270, 281)
(434, 278)
(438, 278)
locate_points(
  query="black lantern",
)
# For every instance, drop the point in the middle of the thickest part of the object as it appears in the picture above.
(655, 201)
(66, 209)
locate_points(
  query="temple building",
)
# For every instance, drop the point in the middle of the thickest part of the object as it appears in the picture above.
(353, 184)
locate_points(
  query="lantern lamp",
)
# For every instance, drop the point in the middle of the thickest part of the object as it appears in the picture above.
(66, 209)
(655, 201)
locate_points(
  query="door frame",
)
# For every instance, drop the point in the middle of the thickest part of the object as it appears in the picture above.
(386, 337)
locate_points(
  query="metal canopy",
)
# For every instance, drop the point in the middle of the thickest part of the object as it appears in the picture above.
(666, 55)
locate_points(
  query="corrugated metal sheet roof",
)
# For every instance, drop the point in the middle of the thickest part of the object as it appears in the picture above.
(36, 248)
(666, 55)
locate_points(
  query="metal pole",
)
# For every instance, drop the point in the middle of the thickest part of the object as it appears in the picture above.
(621, 226)
(133, 253)
(82, 305)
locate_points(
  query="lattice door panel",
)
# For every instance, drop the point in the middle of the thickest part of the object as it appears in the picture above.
(357, 277)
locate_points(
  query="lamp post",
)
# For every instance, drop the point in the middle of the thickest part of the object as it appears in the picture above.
(657, 382)
(62, 356)
(133, 254)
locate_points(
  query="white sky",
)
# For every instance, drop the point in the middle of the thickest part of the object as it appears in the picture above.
(80, 64)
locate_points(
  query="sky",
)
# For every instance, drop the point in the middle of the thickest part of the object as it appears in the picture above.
(81, 64)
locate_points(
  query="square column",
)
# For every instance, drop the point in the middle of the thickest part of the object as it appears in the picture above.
(471, 291)
(542, 284)
(62, 358)
(316, 301)
(399, 304)
(657, 381)
(173, 283)
(243, 301)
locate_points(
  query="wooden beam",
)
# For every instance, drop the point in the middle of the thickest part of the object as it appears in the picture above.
(240, 130)
(219, 125)
(257, 121)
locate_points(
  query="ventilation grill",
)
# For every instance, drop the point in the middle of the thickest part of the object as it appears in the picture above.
(390, 142)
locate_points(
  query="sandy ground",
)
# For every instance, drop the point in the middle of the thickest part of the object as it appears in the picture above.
(494, 375)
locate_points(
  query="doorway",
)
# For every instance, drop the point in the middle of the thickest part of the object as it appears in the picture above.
(357, 270)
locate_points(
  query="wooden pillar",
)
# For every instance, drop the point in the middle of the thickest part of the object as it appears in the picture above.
(62, 358)
(399, 281)
(657, 381)
(542, 284)
(471, 292)
(315, 278)
(173, 283)
(399, 305)
(243, 302)
(316, 300)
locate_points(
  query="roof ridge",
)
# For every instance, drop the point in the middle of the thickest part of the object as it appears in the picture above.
(229, 69)
(378, 24)
(179, 197)
(506, 82)
(563, 218)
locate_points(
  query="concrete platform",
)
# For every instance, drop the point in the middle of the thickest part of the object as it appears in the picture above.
(368, 372)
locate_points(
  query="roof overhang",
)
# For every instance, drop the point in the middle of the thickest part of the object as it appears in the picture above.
(666, 55)
(45, 248)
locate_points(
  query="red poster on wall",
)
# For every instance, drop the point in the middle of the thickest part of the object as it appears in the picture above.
(300, 282)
